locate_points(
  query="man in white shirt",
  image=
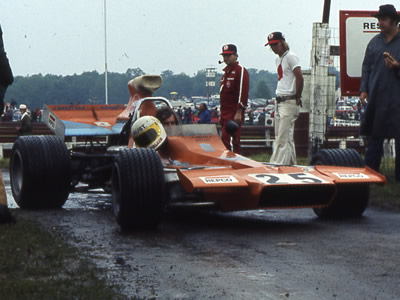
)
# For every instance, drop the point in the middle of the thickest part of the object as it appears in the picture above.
(288, 99)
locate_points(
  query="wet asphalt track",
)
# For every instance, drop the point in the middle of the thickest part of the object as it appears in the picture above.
(287, 254)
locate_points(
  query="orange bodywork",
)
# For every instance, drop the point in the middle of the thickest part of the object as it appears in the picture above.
(235, 182)
(139, 89)
(195, 158)
(97, 115)
(105, 119)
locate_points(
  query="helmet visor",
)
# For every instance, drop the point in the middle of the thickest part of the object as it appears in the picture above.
(146, 138)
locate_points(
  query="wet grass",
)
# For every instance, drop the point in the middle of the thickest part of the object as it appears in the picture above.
(35, 264)
(4, 163)
(265, 157)
(386, 196)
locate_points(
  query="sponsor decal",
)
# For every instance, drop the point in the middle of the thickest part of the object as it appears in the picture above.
(52, 121)
(157, 143)
(219, 179)
(289, 178)
(85, 107)
(102, 124)
(139, 130)
(354, 176)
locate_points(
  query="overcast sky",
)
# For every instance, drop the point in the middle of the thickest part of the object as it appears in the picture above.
(67, 37)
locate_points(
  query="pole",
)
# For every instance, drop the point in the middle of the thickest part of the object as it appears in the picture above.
(105, 52)
(327, 8)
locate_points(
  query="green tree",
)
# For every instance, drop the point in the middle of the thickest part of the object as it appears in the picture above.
(262, 90)
(37, 90)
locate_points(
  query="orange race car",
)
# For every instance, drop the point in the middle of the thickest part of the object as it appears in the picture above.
(148, 168)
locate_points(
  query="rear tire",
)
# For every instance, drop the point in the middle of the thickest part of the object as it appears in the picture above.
(350, 200)
(40, 172)
(138, 188)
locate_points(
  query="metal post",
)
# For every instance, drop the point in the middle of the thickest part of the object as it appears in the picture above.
(105, 51)
(327, 8)
(319, 87)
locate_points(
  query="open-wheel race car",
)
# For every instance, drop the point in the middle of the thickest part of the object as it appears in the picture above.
(149, 168)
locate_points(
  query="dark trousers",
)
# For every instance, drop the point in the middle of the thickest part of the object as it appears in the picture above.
(231, 143)
(2, 93)
(374, 152)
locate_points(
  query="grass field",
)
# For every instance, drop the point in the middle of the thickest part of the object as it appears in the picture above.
(387, 196)
(40, 264)
(37, 264)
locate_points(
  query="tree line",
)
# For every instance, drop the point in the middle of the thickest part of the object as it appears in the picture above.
(89, 87)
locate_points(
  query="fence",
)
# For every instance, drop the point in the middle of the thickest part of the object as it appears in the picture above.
(9, 133)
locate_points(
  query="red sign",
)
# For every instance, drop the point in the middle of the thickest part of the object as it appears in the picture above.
(357, 28)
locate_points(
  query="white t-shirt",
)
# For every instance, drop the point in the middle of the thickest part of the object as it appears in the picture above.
(287, 84)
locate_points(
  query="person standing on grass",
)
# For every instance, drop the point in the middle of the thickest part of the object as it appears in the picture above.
(380, 86)
(234, 93)
(288, 99)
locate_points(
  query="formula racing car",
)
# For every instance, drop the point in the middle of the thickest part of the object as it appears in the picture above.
(149, 168)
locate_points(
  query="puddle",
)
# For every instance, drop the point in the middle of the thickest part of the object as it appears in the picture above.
(79, 201)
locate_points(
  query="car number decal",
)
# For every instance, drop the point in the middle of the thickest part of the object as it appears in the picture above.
(219, 179)
(354, 176)
(289, 178)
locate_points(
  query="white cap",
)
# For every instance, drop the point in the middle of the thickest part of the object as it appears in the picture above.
(22, 106)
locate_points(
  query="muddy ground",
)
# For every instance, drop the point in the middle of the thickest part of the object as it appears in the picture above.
(248, 255)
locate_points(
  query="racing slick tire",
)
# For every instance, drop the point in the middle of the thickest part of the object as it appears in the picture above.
(350, 200)
(40, 172)
(138, 188)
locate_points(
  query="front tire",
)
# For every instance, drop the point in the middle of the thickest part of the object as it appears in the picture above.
(40, 172)
(351, 199)
(138, 188)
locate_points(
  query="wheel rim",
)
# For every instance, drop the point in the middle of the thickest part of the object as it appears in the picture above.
(17, 172)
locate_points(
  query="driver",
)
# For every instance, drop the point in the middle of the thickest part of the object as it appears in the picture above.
(148, 132)
(167, 116)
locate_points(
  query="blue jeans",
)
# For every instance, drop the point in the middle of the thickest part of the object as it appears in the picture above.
(374, 153)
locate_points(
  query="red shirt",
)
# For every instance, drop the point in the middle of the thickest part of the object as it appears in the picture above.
(234, 88)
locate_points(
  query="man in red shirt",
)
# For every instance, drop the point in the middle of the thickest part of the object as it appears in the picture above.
(234, 92)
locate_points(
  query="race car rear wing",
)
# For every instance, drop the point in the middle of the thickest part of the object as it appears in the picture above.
(83, 120)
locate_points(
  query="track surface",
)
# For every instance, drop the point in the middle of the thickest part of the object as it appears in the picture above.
(248, 255)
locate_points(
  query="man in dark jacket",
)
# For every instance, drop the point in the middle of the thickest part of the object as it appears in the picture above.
(25, 125)
(6, 76)
(380, 85)
(204, 115)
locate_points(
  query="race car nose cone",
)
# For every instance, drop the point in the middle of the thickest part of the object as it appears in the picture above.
(231, 127)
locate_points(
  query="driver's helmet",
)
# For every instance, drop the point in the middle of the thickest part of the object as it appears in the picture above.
(148, 132)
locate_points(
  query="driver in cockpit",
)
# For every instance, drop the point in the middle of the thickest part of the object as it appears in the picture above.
(167, 116)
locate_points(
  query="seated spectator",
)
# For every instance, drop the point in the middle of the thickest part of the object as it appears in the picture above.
(205, 115)
(167, 116)
(188, 116)
(9, 115)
